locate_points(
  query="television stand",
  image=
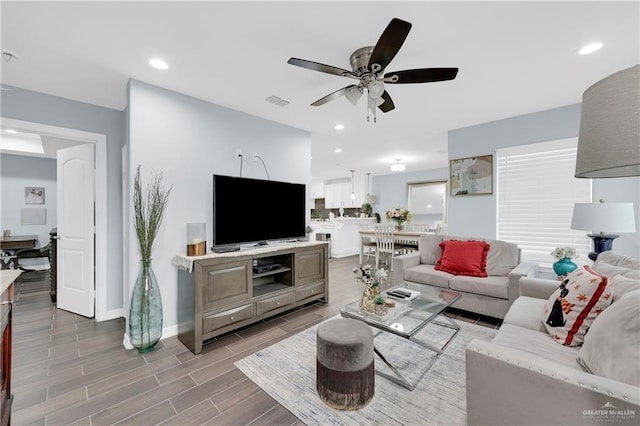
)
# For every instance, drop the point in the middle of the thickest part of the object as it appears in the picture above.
(225, 249)
(227, 291)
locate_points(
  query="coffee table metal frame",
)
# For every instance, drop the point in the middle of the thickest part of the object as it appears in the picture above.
(423, 311)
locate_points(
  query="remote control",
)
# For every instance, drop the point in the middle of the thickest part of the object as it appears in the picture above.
(395, 293)
(404, 292)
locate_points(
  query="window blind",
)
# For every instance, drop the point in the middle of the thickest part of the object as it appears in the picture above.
(536, 193)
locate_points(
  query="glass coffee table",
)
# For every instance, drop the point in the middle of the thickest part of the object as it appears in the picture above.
(407, 319)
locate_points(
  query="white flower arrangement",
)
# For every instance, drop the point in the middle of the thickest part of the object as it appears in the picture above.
(398, 214)
(369, 276)
(564, 252)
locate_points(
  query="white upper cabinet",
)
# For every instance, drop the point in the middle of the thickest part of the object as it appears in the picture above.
(317, 188)
(338, 195)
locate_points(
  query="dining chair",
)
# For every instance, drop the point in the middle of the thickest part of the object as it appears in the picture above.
(441, 229)
(385, 245)
(367, 244)
(418, 227)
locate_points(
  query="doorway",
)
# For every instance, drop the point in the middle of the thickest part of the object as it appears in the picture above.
(100, 188)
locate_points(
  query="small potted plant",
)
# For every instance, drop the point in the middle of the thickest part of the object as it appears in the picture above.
(367, 209)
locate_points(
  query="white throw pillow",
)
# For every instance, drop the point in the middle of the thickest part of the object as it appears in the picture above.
(611, 347)
(571, 309)
(609, 270)
(623, 285)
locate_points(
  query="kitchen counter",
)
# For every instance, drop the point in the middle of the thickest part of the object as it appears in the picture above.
(7, 276)
(344, 234)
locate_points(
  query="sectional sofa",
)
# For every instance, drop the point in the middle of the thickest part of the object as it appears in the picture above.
(524, 377)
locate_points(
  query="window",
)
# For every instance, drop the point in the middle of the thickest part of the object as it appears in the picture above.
(536, 193)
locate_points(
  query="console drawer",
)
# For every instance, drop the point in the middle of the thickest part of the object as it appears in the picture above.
(272, 303)
(309, 291)
(222, 319)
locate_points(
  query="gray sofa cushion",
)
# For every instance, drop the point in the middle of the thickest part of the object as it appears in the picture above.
(502, 258)
(487, 286)
(536, 343)
(429, 248)
(611, 347)
(425, 274)
(525, 312)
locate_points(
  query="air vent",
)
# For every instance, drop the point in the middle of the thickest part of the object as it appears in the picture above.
(277, 101)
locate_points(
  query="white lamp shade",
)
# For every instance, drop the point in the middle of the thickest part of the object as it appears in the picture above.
(609, 138)
(604, 217)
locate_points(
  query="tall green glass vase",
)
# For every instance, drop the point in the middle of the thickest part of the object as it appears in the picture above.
(145, 314)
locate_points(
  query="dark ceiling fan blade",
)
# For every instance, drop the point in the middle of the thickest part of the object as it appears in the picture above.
(331, 96)
(387, 105)
(422, 75)
(389, 43)
(316, 66)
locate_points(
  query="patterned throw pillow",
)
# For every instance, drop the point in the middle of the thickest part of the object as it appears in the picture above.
(571, 309)
(463, 258)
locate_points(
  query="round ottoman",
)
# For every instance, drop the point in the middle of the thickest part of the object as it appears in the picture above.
(345, 378)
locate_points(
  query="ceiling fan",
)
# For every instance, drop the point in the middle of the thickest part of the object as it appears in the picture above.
(368, 65)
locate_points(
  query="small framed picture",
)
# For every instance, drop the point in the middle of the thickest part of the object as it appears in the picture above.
(471, 176)
(33, 195)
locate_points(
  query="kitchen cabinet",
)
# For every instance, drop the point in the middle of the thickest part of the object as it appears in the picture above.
(338, 194)
(317, 188)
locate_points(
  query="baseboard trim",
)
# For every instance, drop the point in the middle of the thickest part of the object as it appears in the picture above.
(109, 315)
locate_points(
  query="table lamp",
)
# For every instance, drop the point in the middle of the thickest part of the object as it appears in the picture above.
(601, 219)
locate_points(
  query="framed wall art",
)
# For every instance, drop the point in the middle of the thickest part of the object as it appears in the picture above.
(471, 176)
(33, 195)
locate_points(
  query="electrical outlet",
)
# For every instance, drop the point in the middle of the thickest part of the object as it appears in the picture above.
(255, 156)
(238, 152)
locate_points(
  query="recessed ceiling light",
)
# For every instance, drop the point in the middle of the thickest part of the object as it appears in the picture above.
(158, 64)
(337, 150)
(590, 48)
(339, 126)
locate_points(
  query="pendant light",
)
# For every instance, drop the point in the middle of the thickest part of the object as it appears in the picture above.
(353, 194)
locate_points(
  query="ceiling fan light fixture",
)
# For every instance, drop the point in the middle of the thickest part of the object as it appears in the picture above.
(376, 89)
(353, 95)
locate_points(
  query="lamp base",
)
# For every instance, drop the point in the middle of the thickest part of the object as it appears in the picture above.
(601, 243)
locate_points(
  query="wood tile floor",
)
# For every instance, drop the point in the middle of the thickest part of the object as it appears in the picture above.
(68, 369)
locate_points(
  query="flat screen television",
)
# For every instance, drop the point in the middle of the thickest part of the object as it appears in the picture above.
(247, 210)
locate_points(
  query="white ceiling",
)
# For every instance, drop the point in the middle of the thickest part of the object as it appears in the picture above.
(514, 58)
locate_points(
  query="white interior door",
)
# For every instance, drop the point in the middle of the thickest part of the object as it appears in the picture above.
(76, 230)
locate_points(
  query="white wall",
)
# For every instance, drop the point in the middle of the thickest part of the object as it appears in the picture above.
(189, 140)
(17, 172)
(549, 125)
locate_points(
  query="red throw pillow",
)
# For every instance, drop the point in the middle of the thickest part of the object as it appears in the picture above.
(463, 258)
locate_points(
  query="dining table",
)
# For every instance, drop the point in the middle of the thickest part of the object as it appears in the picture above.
(403, 237)
(9, 245)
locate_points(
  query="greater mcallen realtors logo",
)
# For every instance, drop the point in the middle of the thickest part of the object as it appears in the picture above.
(609, 413)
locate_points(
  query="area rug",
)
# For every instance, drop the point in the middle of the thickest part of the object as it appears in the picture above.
(287, 372)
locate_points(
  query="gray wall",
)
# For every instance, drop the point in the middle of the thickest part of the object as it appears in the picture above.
(549, 125)
(189, 140)
(16, 173)
(27, 105)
